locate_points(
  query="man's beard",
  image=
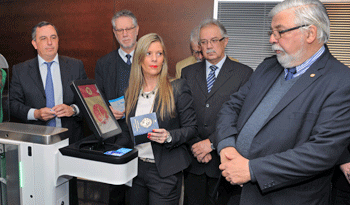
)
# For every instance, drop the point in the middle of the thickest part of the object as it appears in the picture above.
(127, 47)
(285, 59)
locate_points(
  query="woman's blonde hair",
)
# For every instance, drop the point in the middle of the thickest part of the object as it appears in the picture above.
(166, 102)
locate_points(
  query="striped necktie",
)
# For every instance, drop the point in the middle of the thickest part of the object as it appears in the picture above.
(211, 77)
(49, 92)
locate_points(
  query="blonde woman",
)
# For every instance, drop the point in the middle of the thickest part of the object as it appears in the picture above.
(164, 156)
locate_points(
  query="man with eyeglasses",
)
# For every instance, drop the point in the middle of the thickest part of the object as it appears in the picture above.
(282, 133)
(112, 75)
(212, 82)
(196, 52)
(113, 70)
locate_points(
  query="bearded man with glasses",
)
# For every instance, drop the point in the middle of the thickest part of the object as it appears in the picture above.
(113, 70)
(112, 75)
(283, 132)
(212, 81)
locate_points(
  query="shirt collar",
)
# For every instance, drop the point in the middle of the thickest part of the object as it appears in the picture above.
(302, 68)
(42, 61)
(219, 64)
(123, 54)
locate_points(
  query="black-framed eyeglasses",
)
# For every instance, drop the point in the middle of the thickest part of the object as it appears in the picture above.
(212, 41)
(197, 52)
(277, 34)
(125, 29)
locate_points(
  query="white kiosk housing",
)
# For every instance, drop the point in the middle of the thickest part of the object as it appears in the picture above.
(34, 171)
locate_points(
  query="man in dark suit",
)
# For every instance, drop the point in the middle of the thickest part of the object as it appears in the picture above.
(40, 90)
(112, 75)
(27, 88)
(113, 70)
(212, 82)
(282, 133)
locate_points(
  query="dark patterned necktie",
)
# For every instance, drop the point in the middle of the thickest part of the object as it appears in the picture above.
(128, 56)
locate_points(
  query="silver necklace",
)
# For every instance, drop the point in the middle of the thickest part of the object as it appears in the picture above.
(148, 94)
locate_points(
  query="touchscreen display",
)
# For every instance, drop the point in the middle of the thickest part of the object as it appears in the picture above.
(97, 107)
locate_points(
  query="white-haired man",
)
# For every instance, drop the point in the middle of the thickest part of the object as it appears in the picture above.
(282, 133)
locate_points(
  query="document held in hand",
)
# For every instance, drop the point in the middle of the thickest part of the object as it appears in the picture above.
(143, 124)
(118, 104)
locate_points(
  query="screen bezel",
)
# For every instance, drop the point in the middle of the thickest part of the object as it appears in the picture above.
(83, 107)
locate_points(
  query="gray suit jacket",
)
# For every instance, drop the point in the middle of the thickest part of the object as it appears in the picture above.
(293, 154)
(231, 77)
(27, 91)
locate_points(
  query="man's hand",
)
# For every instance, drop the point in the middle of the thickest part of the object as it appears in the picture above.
(229, 151)
(63, 110)
(201, 149)
(205, 159)
(44, 114)
(117, 114)
(345, 168)
(235, 168)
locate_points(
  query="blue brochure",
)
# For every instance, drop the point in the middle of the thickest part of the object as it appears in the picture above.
(143, 124)
(118, 104)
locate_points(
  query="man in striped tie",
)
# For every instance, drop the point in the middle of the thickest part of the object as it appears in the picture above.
(212, 82)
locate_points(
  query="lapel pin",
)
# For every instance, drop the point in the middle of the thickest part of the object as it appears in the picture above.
(312, 75)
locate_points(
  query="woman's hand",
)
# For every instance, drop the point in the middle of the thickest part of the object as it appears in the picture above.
(158, 135)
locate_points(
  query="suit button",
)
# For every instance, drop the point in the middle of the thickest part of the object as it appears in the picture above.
(207, 105)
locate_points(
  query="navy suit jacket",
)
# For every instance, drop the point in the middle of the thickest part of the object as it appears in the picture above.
(106, 74)
(293, 154)
(231, 77)
(27, 91)
(107, 80)
(173, 157)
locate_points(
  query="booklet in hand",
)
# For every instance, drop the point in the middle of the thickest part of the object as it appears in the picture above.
(143, 124)
(118, 104)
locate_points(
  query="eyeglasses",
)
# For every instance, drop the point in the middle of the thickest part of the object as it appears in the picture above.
(125, 29)
(212, 41)
(277, 34)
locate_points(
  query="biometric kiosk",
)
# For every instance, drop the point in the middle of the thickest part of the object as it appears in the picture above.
(34, 171)
(36, 162)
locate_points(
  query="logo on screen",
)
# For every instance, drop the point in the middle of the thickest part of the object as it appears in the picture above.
(100, 113)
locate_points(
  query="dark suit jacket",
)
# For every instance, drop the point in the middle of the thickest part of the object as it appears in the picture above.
(107, 79)
(27, 91)
(293, 154)
(231, 77)
(173, 157)
(106, 75)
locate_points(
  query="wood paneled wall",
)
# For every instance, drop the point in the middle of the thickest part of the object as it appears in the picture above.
(85, 30)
